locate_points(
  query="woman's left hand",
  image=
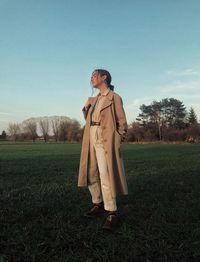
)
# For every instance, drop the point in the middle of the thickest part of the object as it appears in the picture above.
(122, 138)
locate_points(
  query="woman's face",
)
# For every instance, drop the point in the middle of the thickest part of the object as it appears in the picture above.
(96, 79)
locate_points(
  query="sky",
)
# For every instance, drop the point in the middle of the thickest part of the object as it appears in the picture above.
(49, 49)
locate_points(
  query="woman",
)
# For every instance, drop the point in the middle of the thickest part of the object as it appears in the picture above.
(101, 165)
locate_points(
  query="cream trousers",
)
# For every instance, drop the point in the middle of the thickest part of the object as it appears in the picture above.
(99, 186)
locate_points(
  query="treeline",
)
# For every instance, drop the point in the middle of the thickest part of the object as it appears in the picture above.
(51, 128)
(165, 120)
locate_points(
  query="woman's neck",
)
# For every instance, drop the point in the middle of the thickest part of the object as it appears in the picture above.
(102, 89)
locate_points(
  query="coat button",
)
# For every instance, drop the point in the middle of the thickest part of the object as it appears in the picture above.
(105, 140)
(103, 127)
(106, 152)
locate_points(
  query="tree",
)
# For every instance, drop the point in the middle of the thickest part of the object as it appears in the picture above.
(135, 132)
(30, 127)
(192, 118)
(14, 130)
(151, 117)
(44, 126)
(64, 124)
(161, 115)
(3, 135)
(74, 131)
(55, 123)
(174, 113)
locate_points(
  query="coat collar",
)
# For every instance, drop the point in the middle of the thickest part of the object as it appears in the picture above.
(107, 101)
(108, 97)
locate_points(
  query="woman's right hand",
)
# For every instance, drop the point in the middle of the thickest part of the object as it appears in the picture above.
(87, 105)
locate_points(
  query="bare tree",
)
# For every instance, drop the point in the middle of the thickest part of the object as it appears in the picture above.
(74, 131)
(135, 132)
(63, 127)
(30, 127)
(44, 126)
(55, 124)
(14, 130)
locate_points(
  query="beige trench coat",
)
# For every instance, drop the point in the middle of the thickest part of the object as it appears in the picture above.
(114, 124)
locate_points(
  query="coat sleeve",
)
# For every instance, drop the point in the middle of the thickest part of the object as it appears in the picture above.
(85, 111)
(121, 121)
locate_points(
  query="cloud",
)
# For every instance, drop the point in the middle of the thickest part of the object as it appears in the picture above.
(183, 72)
(5, 113)
(180, 87)
(139, 101)
(132, 109)
(183, 85)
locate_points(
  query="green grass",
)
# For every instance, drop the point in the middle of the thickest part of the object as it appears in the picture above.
(42, 207)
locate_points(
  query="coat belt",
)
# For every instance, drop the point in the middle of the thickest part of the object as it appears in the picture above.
(93, 123)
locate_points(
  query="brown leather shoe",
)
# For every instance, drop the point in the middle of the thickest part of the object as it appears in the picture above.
(96, 210)
(112, 221)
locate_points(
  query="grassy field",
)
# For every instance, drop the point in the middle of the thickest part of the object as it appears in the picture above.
(42, 208)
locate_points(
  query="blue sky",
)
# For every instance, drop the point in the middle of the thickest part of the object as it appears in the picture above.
(48, 50)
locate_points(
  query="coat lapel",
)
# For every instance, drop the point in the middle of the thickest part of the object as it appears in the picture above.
(108, 100)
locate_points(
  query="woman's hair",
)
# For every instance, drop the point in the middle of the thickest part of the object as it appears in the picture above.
(108, 77)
